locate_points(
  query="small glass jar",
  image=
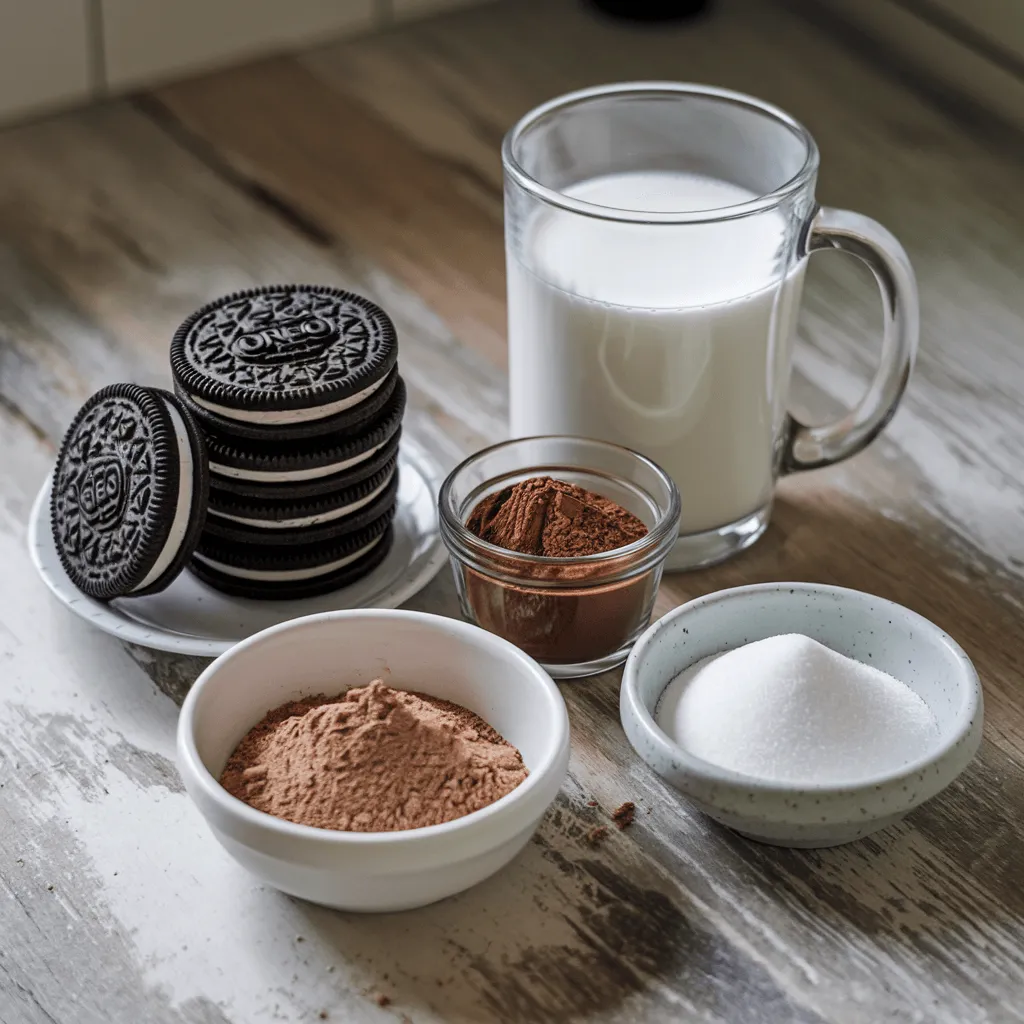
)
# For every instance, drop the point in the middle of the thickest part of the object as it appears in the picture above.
(576, 616)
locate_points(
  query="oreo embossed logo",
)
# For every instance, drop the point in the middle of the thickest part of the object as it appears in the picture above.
(283, 347)
(288, 341)
(102, 493)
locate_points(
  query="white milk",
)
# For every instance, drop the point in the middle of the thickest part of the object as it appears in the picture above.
(674, 340)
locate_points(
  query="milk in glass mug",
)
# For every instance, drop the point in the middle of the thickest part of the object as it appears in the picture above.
(656, 240)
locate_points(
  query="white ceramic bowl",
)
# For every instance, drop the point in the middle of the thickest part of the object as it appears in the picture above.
(329, 653)
(872, 630)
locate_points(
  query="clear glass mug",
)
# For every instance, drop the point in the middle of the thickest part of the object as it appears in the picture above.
(656, 240)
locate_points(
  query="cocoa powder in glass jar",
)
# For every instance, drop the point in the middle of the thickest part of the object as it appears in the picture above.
(557, 544)
(549, 610)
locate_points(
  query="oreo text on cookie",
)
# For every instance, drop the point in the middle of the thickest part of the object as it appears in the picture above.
(289, 341)
(103, 492)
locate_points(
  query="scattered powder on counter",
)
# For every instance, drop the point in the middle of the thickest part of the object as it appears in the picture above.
(374, 759)
(791, 710)
(542, 516)
(624, 814)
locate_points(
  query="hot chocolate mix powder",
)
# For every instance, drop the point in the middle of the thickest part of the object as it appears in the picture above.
(374, 759)
(543, 516)
(581, 619)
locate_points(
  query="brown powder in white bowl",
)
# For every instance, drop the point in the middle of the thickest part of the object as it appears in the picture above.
(374, 759)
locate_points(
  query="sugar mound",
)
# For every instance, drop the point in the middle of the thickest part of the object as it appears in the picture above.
(791, 710)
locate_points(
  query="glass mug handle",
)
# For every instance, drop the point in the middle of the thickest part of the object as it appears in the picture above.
(812, 447)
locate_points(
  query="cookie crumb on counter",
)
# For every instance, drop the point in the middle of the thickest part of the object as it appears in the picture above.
(624, 814)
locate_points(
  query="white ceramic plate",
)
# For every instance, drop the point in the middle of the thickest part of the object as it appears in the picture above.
(192, 618)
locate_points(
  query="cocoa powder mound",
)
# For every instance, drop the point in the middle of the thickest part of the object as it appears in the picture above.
(543, 516)
(374, 759)
(584, 616)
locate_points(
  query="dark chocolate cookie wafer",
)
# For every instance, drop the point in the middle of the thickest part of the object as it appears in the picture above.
(290, 572)
(282, 511)
(318, 519)
(129, 492)
(283, 462)
(295, 589)
(284, 356)
(226, 489)
(348, 421)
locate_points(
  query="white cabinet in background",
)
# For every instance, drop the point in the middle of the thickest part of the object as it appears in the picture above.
(44, 55)
(149, 40)
(57, 53)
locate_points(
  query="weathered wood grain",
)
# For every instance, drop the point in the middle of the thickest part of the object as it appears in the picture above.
(374, 165)
(361, 181)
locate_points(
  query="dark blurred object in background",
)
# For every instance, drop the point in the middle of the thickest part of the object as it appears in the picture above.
(652, 10)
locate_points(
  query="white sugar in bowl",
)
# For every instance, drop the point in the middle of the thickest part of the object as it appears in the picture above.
(869, 629)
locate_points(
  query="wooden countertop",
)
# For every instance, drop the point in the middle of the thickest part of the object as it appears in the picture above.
(374, 164)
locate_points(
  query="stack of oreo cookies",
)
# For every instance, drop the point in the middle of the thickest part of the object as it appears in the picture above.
(297, 393)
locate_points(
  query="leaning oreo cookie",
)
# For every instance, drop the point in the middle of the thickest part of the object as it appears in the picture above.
(320, 521)
(129, 492)
(283, 462)
(290, 573)
(285, 357)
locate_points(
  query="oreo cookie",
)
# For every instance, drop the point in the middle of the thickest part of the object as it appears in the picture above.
(287, 358)
(238, 490)
(348, 421)
(282, 511)
(281, 462)
(290, 573)
(321, 520)
(129, 492)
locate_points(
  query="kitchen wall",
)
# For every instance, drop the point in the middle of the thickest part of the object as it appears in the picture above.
(58, 53)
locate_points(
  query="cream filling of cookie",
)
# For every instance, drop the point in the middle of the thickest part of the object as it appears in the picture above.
(282, 576)
(183, 512)
(313, 520)
(284, 416)
(294, 474)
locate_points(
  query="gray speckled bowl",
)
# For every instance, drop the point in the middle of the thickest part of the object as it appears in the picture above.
(872, 630)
